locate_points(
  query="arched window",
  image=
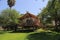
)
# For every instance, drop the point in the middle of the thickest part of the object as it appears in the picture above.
(29, 21)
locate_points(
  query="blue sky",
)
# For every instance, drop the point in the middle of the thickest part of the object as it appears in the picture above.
(33, 6)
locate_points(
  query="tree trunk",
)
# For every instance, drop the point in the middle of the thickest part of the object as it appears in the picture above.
(56, 24)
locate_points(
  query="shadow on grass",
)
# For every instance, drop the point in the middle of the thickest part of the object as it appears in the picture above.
(2, 32)
(44, 36)
(22, 31)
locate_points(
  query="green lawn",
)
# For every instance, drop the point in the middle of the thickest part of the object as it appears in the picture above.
(13, 36)
(37, 35)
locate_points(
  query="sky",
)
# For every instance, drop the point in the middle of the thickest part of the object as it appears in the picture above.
(22, 6)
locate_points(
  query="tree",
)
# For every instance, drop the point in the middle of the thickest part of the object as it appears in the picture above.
(44, 18)
(11, 3)
(9, 17)
(52, 12)
(53, 9)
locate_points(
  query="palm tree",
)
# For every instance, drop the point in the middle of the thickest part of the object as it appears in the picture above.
(11, 3)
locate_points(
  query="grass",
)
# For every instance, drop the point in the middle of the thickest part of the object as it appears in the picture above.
(13, 36)
(37, 35)
(44, 36)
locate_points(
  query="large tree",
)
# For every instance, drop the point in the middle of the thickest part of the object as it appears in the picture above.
(53, 10)
(9, 17)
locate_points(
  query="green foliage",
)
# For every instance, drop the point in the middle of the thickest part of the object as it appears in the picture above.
(11, 3)
(8, 16)
(44, 36)
(51, 12)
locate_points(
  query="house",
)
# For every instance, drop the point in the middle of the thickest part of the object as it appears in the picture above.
(29, 20)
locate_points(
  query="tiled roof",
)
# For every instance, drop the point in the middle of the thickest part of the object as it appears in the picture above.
(28, 15)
